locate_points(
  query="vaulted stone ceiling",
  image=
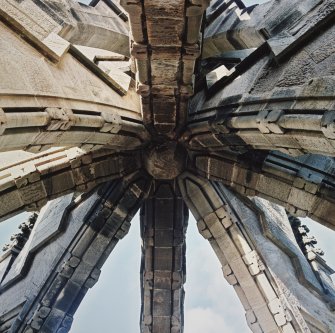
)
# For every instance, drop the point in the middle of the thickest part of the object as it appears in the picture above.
(167, 106)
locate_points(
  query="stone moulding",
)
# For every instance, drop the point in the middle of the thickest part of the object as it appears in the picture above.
(164, 107)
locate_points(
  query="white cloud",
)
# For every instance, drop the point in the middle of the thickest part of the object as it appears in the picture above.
(200, 320)
(207, 292)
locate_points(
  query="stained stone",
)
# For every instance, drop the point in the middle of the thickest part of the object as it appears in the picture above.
(166, 106)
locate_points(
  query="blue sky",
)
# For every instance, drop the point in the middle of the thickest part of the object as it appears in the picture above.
(211, 305)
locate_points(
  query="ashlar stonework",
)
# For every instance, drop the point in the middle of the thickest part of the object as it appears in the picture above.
(164, 107)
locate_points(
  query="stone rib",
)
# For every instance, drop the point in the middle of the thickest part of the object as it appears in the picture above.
(304, 186)
(77, 265)
(29, 185)
(165, 48)
(39, 129)
(257, 287)
(291, 131)
(163, 270)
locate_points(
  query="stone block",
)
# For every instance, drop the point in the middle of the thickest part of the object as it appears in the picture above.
(53, 321)
(43, 311)
(161, 303)
(162, 280)
(82, 272)
(229, 275)
(266, 288)
(36, 323)
(161, 324)
(53, 291)
(163, 259)
(67, 297)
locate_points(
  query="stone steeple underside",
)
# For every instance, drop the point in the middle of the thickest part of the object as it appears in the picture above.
(168, 106)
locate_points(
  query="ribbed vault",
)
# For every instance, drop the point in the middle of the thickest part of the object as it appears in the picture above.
(166, 106)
